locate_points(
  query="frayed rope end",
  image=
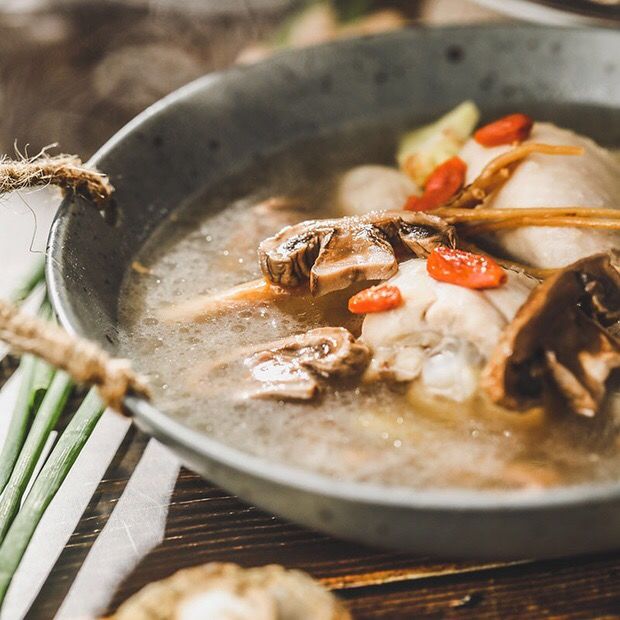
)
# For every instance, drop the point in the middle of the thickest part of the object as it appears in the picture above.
(65, 171)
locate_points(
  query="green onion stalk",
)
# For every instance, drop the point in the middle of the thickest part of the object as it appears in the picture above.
(43, 372)
(43, 424)
(35, 378)
(20, 419)
(46, 485)
(41, 398)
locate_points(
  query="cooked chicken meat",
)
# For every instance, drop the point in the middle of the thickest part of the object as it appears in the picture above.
(333, 253)
(293, 368)
(560, 339)
(442, 333)
(588, 180)
(374, 188)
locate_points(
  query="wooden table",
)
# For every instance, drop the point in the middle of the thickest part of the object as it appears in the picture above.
(128, 514)
(106, 558)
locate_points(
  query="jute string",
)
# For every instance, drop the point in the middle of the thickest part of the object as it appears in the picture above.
(85, 361)
(65, 171)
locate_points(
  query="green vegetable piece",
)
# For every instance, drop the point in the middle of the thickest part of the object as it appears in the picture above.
(423, 149)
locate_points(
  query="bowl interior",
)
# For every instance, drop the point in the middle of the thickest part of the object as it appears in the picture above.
(221, 123)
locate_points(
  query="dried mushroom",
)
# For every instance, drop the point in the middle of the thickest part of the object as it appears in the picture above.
(333, 253)
(562, 341)
(228, 592)
(293, 368)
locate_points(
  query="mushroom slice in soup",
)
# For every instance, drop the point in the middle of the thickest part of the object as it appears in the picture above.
(331, 254)
(292, 368)
(561, 340)
(363, 254)
(441, 334)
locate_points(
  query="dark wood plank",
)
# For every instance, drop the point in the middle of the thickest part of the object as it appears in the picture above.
(574, 588)
(208, 524)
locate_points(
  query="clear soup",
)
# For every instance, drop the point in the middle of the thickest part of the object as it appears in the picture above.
(372, 433)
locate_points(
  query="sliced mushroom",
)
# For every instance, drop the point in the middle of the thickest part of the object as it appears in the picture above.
(292, 368)
(561, 340)
(333, 253)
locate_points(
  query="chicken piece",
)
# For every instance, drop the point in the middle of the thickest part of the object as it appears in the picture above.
(441, 334)
(559, 340)
(588, 180)
(331, 254)
(292, 368)
(226, 591)
(374, 188)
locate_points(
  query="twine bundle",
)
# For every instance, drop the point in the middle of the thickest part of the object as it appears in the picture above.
(85, 361)
(65, 171)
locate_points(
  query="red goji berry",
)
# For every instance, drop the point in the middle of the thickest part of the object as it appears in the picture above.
(376, 299)
(506, 130)
(443, 183)
(464, 268)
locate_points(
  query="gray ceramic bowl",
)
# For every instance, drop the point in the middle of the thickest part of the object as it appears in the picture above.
(196, 135)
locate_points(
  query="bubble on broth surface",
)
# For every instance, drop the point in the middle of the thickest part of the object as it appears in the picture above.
(375, 433)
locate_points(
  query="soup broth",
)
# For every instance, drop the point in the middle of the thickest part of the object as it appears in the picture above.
(380, 433)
